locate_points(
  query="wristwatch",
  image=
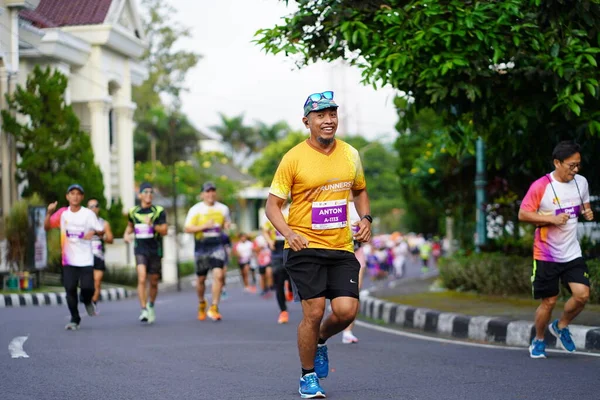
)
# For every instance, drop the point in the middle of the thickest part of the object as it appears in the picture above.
(368, 218)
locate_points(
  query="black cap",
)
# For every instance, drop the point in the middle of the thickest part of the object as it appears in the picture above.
(145, 185)
(75, 186)
(208, 186)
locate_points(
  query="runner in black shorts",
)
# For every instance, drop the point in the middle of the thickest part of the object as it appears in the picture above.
(319, 174)
(554, 204)
(149, 223)
(208, 220)
(98, 249)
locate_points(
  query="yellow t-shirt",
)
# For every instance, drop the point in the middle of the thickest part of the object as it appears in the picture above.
(201, 213)
(320, 187)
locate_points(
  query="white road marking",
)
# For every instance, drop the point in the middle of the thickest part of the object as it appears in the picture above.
(458, 342)
(15, 347)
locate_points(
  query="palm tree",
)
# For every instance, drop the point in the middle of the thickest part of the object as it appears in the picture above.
(239, 138)
(267, 134)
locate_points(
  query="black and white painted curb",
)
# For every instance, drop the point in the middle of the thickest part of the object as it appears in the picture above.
(479, 328)
(52, 299)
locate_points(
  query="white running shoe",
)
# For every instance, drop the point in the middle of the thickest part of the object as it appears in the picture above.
(90, 309)
(349, 338)
(144, 315)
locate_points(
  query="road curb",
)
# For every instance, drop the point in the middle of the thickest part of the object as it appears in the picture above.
(53, 298)
(479, 328)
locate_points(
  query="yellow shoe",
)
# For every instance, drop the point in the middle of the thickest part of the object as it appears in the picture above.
(202, 311)
(283, 318)
(213, 313)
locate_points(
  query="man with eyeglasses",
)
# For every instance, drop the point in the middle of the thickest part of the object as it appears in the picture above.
(149, 224)
(78, 225)
(98, 250)
(208, 220)
(554, 203)
(320, 173)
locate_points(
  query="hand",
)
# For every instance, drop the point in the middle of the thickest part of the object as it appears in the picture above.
(560, 219)
(588, 214)
(297, 242)
(89, 235)
(127, 237)
(52, 207)
(364, 232)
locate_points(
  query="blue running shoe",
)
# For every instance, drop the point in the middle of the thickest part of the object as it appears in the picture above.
(322, 362)
(537, 349)
(563, 335)
(310, 388)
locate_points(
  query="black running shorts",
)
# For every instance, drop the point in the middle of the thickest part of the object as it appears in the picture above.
(99, 264)
(153, 263)
(546, 276)
(323, 273)
(205, 263)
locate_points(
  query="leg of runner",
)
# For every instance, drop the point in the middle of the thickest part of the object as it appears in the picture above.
(98, 275)
(348, 337)
(70, 280)
(153, 292)
(224, 283)
(343, 313)
(217, 285)
(141, 290)
(244, 271)
(269, 278)
(280, 275)
(200, 289)
(308, 330)
(86, 282)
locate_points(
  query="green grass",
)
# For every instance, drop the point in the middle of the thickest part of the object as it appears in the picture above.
(42, 289)
(474, 304)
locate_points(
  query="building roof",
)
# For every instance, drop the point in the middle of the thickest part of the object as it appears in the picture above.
(53, 13)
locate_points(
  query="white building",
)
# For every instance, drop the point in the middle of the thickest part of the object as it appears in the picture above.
(96, 44)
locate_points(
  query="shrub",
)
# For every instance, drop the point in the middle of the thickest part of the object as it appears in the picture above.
(501, 274)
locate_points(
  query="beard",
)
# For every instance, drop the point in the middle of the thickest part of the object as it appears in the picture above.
(325, 142)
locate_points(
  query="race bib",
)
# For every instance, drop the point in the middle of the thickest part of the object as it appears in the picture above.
(97, 248)
(212, 232)
(329, 214)
(143, 231)
(74, 234)
(572, 212)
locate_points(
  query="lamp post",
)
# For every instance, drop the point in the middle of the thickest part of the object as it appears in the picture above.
(480, 195)
(172, 124)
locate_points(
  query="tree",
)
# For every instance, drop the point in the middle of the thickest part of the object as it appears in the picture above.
(266, 164)
(167, 67)
(53, 151)
(238, 136)
(519, 73)
(155, 126)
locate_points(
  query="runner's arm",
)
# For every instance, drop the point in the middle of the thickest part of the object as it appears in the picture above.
(363, 207)
(108, 234)
(541, 220)
(274, 214)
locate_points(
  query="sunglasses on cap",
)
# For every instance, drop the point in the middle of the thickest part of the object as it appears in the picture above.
(328, 95)
(94, 206)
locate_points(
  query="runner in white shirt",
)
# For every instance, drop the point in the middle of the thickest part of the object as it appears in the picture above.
(554, 203)
(244, 249)
(78, 225)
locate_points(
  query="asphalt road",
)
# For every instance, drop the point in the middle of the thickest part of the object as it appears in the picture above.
(248, 356)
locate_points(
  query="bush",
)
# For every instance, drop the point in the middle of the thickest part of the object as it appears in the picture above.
(16, 225)
(121, 276)
(487, 273)
(501, 274)
(116, 217)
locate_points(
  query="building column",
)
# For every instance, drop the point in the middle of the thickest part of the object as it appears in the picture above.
(99, 137)
(124, 125)
(5, 145)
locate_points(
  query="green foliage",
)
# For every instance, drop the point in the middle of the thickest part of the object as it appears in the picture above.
(16, 225)
(53, 151)
(521, 74)
(265, 166)
(243, 140)
(116, 216)
(155, 125)
(487, 273)
(167, 67)
(190, 175)
(125, 276)
(501, 274)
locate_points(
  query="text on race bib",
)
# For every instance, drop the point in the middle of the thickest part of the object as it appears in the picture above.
(572, 212)
(329, 214)
(143, 231)
(212, 232)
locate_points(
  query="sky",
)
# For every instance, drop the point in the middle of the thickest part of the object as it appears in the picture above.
(235, 76)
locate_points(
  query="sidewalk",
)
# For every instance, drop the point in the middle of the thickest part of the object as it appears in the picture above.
(58, 298)
(411, 304)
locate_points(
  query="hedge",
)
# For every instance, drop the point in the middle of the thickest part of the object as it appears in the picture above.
(500, 274)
